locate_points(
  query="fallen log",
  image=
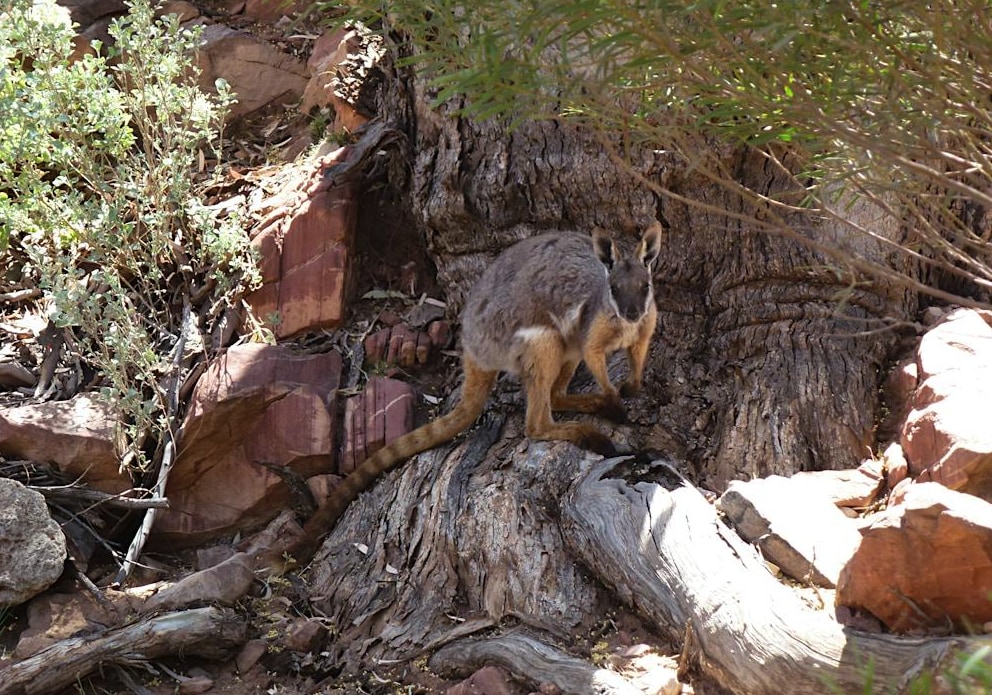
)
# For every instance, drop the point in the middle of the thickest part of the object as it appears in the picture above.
(209, 632)
(660, 546)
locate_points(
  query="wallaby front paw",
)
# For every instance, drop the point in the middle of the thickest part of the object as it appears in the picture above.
(628, 389)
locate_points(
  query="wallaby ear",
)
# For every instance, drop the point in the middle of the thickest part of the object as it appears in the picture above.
(603, 247)
(650, 245)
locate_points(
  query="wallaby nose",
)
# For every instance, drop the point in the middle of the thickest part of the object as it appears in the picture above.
(632, 313)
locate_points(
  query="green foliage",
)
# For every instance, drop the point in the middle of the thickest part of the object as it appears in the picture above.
(972, 673)
(97, 164)
(883, 101)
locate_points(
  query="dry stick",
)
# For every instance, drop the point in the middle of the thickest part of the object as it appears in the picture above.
(19, 296)
(209, 632)
(72, 493)
(168, 456)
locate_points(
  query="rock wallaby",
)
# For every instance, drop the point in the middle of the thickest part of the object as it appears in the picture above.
(544, 305)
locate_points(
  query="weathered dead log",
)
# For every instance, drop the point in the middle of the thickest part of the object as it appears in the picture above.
(662, 549)
(209, 632)
(534, 661)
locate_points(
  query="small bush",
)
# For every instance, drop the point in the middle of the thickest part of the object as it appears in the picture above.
(98, 161)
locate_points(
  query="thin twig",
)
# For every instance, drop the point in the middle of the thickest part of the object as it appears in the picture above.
(168, 453)
(72, 493)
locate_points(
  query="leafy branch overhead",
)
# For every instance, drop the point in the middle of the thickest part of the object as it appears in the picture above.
(881, 103)
(99, 160)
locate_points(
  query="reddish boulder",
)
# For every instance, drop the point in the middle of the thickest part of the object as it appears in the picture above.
(272, 10)
(256, 409)
(76, 435)
(488, 680)
(961, 341)
(305, 242)
(924, 563)
(340, 65)
(400, 346)
(374, 418)
(852, 487)
(946, 437)
(258, 73)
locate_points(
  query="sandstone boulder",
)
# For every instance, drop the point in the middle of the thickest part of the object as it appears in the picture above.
(32, 547)
(401, 347)
(924, 563)
(488, 680)
(853, 487)
(342, 66)
(374, 418)
(795, 526)
(76, 435)
(256, 410)
(305, 243)
(258, 73)
(946, 437)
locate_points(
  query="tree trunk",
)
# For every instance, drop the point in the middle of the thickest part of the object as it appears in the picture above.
(762, 364)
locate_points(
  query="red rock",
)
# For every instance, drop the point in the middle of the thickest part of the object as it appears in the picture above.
(948, 434)
(946, 437)
(302, 635)
(401, 347)
(195, 685)
(258, 404)
(962, 340)
(222, 584)
(271, 10)
(250, 655)
(374, 418)
(257, 72)
(322, 485)
(925, 562)
(76, 435)
(305, 248)
(488, 680)
(54, 617)
(897, 468)
(327, 69)
(857, 487)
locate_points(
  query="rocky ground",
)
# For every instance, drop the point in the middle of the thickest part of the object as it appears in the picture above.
(901, 544)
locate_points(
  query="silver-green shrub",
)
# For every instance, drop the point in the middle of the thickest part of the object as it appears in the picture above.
(98, 164)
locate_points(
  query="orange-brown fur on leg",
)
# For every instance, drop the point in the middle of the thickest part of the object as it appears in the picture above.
(541, 370)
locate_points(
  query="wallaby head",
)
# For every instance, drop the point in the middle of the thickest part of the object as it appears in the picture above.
(629, 277)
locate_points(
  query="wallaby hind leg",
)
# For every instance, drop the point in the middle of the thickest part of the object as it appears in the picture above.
(543, 363)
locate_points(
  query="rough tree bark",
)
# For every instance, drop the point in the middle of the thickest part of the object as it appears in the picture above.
(762, 365)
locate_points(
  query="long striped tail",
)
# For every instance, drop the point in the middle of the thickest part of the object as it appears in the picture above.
(475, 390)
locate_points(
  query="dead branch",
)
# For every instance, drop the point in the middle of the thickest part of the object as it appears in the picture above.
(209, 632)
(72, 493)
